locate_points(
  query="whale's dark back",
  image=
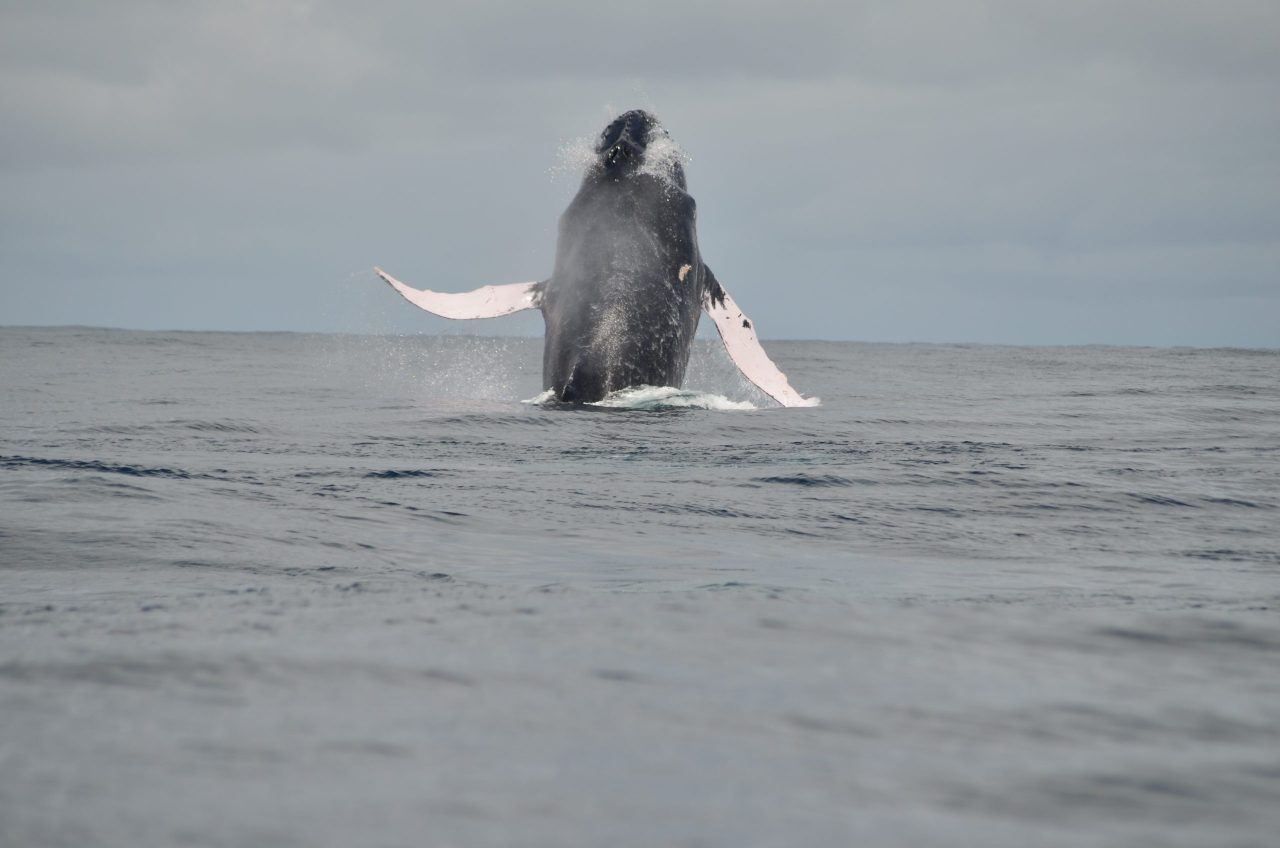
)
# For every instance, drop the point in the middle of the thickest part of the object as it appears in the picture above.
(619, 311)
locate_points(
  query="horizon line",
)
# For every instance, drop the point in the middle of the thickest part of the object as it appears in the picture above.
(424, 334)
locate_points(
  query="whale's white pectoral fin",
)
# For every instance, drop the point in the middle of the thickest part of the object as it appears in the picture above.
(484, 302)
(739, 337)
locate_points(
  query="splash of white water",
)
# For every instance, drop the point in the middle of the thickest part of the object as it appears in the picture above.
(652, 398)
(574, 157)
(662, 156)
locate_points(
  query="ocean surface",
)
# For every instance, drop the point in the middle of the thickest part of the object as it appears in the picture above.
(276, 589)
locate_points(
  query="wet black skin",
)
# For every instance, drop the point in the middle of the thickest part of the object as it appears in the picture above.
(617, 312)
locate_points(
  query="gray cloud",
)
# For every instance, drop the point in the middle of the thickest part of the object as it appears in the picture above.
(874, 170)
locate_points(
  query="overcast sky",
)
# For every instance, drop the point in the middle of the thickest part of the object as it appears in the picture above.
(1011, 172)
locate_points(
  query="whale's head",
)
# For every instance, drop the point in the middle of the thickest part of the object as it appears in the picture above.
(623, 143)
(634, 142)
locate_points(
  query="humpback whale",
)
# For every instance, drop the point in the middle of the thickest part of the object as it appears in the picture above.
(629, 284)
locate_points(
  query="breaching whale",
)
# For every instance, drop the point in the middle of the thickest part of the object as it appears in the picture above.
(623, 301)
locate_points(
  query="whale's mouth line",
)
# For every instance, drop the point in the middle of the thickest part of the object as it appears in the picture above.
(621, 153)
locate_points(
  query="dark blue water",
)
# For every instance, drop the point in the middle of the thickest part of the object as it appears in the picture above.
(295, 589)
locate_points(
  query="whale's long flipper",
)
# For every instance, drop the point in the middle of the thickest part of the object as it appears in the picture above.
(739, 337)
(484, 302)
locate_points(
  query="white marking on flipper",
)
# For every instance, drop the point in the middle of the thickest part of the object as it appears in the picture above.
(484, 302)
(739, 337)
